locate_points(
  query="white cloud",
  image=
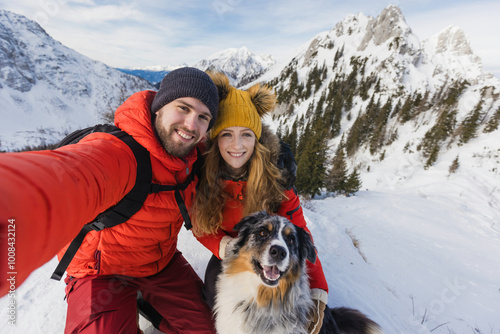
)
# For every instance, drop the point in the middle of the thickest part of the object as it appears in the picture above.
(100, 14)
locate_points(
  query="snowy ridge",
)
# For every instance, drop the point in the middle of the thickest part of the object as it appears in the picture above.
(47, 90)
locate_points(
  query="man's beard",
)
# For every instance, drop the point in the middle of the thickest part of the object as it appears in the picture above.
(174, 148)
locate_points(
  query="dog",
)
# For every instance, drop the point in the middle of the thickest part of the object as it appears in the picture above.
(264, 289)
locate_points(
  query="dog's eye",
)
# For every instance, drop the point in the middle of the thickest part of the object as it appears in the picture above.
(263, 233)
(291, 240)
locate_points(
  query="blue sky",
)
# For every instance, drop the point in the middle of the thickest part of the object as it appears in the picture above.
(139, 33)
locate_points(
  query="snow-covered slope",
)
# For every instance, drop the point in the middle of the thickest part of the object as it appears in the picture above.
(425, 257)
(48, 90)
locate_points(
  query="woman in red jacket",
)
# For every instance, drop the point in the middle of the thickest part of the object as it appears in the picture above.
(242, 175)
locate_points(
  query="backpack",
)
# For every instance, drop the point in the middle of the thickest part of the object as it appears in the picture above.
(133, 200)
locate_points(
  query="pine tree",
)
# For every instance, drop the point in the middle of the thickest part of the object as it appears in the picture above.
(469, 126)
(311, 162)
(436, 135)
(454, 166)
(492, 124)
(454, 93)
(353, 183)
(279, 131)
(291, 138)
(336, 177)
(377, 139)
(405, 113)
(339, 54)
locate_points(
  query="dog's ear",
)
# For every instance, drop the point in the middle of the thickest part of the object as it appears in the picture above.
(244, 227)
(306, 246)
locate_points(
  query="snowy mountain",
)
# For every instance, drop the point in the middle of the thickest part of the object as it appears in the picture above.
(417, 248)
(47, 90)
(240, 65)
(401, 108)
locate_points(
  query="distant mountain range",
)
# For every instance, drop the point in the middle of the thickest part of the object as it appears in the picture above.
(240, 65)
(154, 77)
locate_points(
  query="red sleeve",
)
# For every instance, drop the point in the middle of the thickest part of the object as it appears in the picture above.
(212, 242)
(291, 209)
(47, 196)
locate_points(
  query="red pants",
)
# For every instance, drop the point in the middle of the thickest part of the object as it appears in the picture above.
(107, 304)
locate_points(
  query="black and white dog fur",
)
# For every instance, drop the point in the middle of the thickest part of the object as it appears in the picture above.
(264, 287)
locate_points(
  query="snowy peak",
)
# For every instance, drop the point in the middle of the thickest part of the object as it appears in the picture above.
(450, 51)
(390, 24)
(240, 55)
(389, 50)
(240, 65)
(451, 40)
(16, 69)
(12, 21)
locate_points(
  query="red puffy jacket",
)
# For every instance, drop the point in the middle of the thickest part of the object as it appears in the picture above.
(49, 195)
(233, 212)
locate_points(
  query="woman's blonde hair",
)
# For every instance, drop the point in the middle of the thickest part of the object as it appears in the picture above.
(264, 190)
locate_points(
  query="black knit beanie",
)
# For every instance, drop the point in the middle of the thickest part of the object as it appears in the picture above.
(187, 82)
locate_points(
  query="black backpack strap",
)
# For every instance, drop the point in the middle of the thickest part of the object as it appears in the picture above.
(78, 135)
(196, 170)
(123, 210)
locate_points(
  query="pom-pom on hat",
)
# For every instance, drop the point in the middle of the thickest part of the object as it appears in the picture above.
(241, 107)
(187, 82)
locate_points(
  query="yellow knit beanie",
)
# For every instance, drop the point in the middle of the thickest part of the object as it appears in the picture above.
(241, 107)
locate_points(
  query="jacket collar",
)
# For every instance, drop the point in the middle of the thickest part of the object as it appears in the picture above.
(134, 117)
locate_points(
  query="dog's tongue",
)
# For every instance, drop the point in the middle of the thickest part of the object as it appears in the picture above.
(271, 272)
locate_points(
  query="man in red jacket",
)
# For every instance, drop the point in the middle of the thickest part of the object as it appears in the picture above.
(47, 196)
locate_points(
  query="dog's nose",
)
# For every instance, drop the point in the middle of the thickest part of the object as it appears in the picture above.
(277, 252)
